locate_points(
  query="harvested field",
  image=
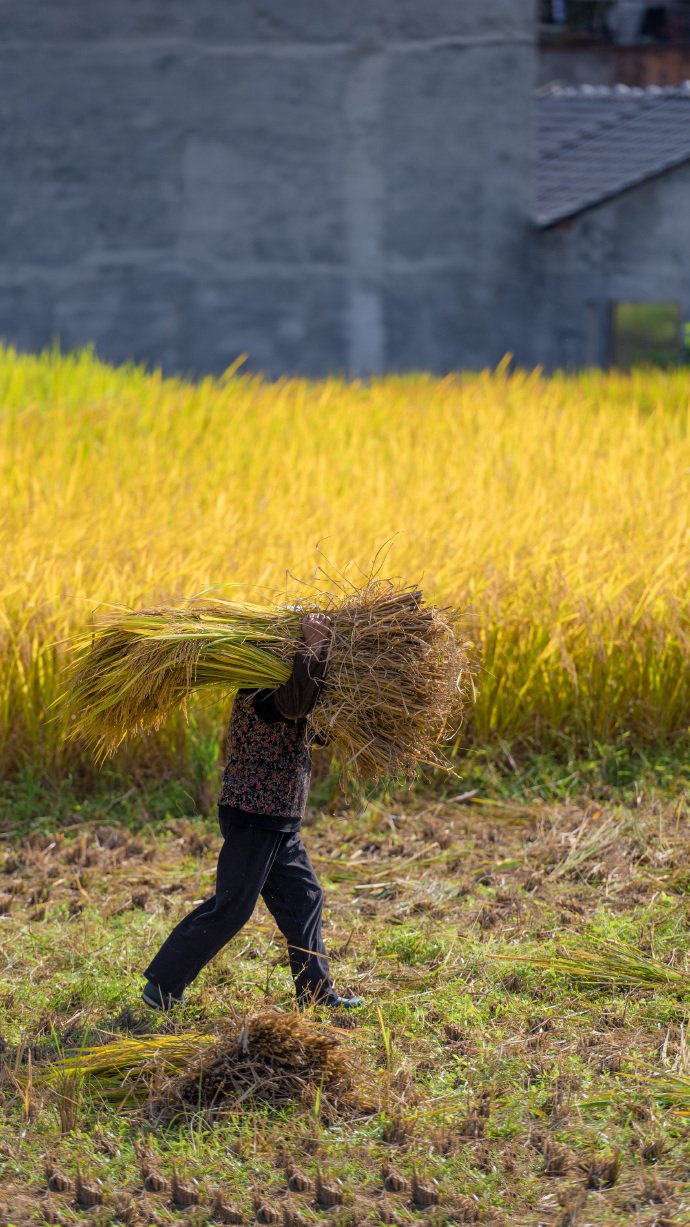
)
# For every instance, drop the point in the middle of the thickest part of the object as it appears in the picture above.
(527, 980)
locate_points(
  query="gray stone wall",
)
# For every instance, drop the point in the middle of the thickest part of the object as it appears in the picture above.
(635, 249)
(322, 186)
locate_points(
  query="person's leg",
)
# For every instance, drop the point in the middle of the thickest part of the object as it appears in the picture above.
(245, 860)
(294, 897)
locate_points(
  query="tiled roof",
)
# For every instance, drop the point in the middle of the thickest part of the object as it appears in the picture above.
(594, 142)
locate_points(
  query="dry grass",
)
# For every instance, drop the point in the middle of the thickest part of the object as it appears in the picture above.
(554, 512)
(609, 964)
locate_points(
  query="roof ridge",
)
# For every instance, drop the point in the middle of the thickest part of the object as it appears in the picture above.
(557, 90)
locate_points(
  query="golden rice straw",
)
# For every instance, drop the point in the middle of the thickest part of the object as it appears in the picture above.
(397, 672)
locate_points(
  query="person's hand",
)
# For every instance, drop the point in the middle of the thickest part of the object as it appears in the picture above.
(315, 628)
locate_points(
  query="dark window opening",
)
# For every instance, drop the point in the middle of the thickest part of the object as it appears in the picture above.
(665, 23)
(597, 21)
(579, 18)
(648, 334)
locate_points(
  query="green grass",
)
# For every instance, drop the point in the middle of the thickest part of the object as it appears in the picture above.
(609, 773)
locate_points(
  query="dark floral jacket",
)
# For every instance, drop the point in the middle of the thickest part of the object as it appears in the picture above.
(268, 766)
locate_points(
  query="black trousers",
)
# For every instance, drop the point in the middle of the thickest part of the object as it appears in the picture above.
(252, 862)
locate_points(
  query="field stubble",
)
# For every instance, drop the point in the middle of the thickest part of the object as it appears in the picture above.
(523, 1047)
(555, 512)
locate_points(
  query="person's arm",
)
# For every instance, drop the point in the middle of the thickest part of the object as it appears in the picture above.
(296, 698)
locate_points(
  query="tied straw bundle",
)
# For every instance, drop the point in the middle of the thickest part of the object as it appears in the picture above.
(396, 676)
(269, 1056)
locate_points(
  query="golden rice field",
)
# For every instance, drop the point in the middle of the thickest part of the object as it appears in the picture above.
(555, 512)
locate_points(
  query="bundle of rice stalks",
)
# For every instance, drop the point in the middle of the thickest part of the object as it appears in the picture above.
(272, 1057)
(397, 672)
(126, 1069)
(135, 668)
(606, 965)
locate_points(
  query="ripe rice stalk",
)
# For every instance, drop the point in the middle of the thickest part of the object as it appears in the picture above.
(67, 1095)
(553, 508)
(273, 1057)
(397, 674)
(125, 1069)
(608, 964)
(133, 669)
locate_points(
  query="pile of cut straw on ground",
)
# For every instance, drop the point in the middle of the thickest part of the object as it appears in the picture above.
(397, 672)
(272, 1057)
(275, 1058)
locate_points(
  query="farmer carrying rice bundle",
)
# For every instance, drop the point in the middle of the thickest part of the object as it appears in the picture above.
(260, 809)
(377, 675)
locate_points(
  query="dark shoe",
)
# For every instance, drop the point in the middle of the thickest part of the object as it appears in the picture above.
(156, 999)
(328, 997)
(335, 1002)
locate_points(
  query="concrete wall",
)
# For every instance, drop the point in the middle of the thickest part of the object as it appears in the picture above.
(634, 249)
(322, 185)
